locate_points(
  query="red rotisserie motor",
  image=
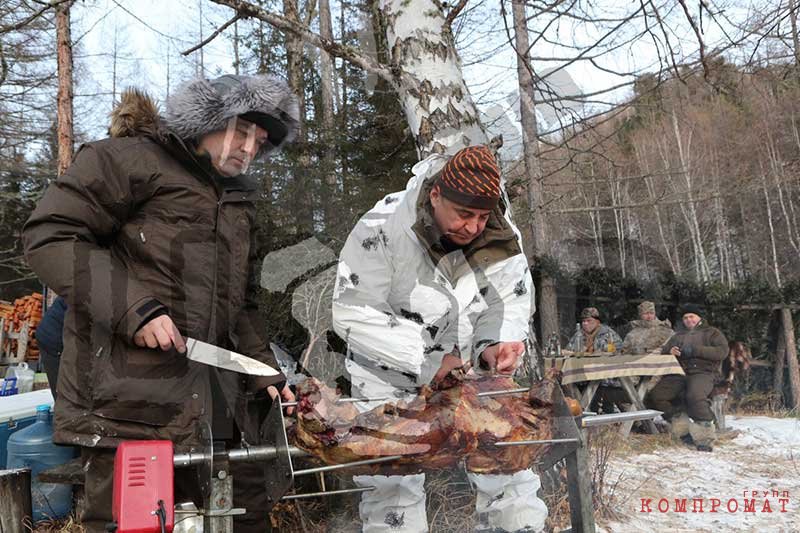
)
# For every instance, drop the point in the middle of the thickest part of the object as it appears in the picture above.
(143, 490)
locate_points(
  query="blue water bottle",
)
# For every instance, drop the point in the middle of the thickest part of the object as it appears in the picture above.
(33, 448)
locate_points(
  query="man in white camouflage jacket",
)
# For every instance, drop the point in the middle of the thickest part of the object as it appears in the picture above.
(430, 278)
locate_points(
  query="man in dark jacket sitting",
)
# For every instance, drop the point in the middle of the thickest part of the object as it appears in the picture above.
(685, 399)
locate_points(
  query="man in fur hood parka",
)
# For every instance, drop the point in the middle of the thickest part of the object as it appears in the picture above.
(149, 237)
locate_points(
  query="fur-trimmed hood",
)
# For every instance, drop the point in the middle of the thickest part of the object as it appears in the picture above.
(203, 106)
(135, 114)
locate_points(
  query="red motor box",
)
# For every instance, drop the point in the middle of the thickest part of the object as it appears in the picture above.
(143, 487)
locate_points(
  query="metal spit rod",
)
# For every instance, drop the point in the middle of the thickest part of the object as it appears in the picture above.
(533, 442)
(502, 392)
(326, 493)
(600, 420)
(250, 454)
(344, 400)
(347, 465)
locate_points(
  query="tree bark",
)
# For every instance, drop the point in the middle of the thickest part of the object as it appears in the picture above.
(540, 247)
(65, 88)
(439, 109)
(329, 186)
(791, 356)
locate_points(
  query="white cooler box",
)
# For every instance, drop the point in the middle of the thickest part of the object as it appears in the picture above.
(17, 412)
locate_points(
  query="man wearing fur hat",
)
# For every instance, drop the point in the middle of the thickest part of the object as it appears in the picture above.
(684, 400)
(149, 237)
(648, 334)
(431, 278)
(591, 335)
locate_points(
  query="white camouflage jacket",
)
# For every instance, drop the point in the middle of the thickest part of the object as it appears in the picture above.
(401, 301)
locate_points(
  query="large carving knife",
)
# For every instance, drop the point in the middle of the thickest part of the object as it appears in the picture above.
(208, 354)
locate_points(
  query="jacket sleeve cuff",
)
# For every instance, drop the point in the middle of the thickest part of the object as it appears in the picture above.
(140, 314)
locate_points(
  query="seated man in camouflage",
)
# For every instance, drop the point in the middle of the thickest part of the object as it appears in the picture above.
(648, 334)
(591, 335)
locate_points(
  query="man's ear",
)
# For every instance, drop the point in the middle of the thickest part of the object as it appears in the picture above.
(435, 194)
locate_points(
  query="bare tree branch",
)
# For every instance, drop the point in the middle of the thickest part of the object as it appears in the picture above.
(697, 33)
(453, 13)
(21, 24)
(212, 36)
(347, 53)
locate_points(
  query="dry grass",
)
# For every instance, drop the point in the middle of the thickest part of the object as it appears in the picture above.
(66, 525)
(450, 508)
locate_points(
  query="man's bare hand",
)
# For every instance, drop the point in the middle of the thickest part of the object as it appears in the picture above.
(675, 351)
(449, 362)
(160, 333)
(286, 395)
(503, 356)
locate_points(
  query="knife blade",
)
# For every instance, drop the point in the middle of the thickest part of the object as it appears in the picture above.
(208, 354)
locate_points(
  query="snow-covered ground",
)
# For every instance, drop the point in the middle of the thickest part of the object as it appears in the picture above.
(759, 466)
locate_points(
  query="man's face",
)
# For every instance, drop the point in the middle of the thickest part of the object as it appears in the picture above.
(460, 224)
(233, 148)
(690, 320)
(648, 315)
(589, 324)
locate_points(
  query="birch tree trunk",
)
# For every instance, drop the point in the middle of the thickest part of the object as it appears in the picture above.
(775, 268)
(619, 222)
(644, 165)
(690, 210)
(537, 219)
(65, 87)
(439, 109)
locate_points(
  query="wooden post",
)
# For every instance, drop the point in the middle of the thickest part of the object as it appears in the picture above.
(15, 500)
(581, 508)
(791, 355)
(780, 365)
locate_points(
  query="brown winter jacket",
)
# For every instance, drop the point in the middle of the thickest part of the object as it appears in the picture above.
(140, 225)
(702, 348)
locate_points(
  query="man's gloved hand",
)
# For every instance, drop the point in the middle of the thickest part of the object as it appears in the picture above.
(286, 395)
(449, 362)
(503, 356)
(160, 332)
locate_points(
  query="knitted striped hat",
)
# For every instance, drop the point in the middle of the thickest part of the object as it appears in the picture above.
(471, 178)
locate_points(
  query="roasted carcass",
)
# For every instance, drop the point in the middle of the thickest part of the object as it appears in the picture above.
(439, 428)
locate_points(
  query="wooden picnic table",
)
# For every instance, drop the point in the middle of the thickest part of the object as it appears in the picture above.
(593, 368)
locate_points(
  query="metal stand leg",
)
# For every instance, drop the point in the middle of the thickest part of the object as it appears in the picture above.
(219, 511)
(579, 489)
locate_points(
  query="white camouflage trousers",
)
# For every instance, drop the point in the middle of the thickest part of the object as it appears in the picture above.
(505, 503)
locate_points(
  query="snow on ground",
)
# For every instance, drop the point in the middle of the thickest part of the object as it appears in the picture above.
(762, 454)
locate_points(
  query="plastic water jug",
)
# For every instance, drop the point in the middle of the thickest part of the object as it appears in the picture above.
(33, 448)
(24, 377)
